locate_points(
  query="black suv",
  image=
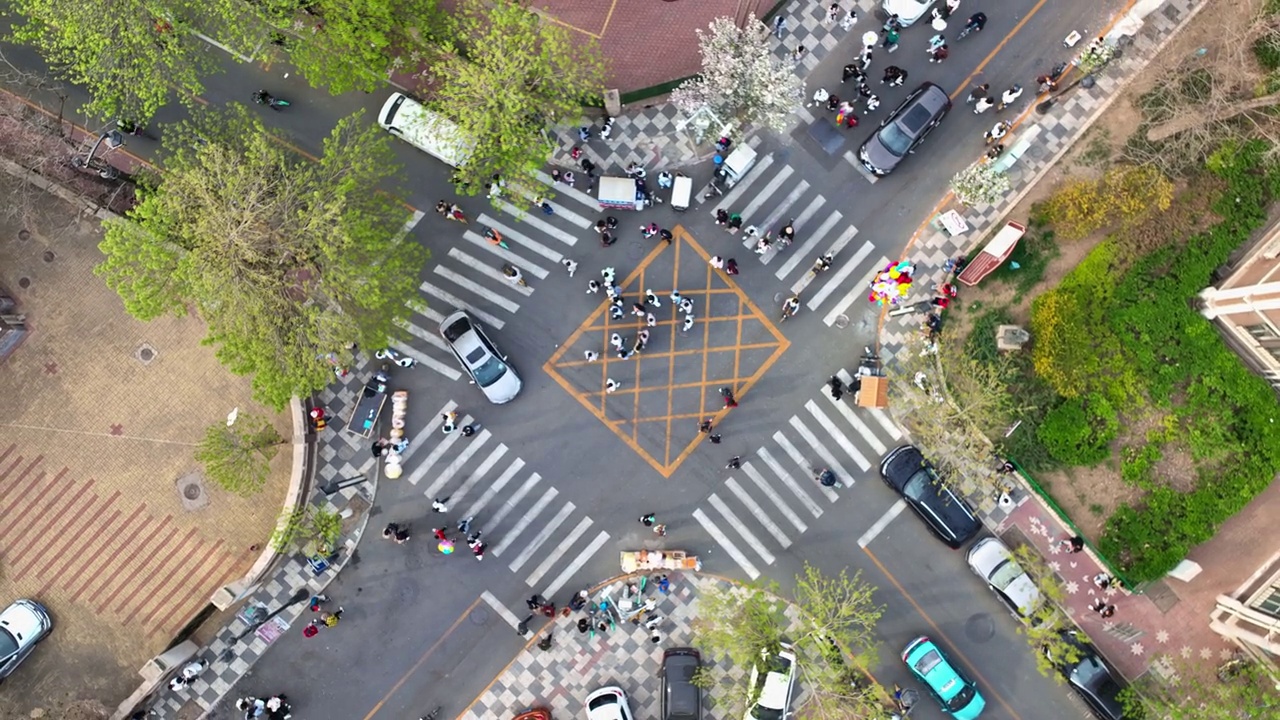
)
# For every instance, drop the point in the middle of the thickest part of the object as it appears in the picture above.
(681, 699)
(906, 471)
(904, 129)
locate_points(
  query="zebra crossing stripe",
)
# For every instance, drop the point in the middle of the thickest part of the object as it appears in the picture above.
(807, 248)
(772, 218)
(488, 272)
(408, 226)
(514, 500)
(576, 565)
(426, 311)
(564, 191)
(510, 537)
(827, 458)
(817, 203)
(455, 301)
(732, 196)
(880, 417)
(559, 208)
(424, 335)
(561, 546)
(494, 488)
(837, 277)
(480, 472)
(854, 293)
(799, 460)
(854, 420)
(435, 422)
(476, 288)
(473, 446)
(547, 530)
(426, 361)
(535, 219)
(522, 240)
(729, 547)
(501, 609)
(737, 524)
(773, 496)
(505, 254)
(894, 511)
(436, 453)
(765, 193)
(840, 438)
(759, 514)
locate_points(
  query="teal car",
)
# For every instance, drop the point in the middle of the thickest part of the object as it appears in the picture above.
(957, 694)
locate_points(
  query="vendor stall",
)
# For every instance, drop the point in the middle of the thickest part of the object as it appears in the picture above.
(399, 408)
(638, 560)
(364, 417)
(619, 193)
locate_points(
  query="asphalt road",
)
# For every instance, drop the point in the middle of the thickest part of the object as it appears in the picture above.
(416, 633)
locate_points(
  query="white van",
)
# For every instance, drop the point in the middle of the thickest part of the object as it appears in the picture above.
(430, 132)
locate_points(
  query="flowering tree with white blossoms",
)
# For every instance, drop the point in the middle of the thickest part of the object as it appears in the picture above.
(740, 77)
(980, 183)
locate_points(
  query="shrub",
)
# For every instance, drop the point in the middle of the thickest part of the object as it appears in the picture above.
(1078, 431)
(1137, 463)
(1121, 197)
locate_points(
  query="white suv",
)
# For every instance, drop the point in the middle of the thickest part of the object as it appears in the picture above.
(771, 694)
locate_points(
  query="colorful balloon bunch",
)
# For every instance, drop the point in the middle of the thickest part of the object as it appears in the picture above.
(892, 284)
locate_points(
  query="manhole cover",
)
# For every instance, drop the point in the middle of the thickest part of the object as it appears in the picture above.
(980, 628)
(48, 256)
(145, 354)
(24, 282)
(191, 492)
(842, 321)
(24, 234)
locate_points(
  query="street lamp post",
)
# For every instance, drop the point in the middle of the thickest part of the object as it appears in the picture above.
(106, 171)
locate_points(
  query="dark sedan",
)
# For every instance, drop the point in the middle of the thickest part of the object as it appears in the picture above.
(904, 129)
(907, 472)
(1092, 680)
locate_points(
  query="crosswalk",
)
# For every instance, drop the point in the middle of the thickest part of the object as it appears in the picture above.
(766, 199)
(527, 525)
(468, 275)
(772, 497)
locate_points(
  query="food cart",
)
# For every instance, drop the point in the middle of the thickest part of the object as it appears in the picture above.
(681, 191)
(873, 386)
(364, 417)
(639, 560)
(993, 254)
(620, 193)
(737, 165)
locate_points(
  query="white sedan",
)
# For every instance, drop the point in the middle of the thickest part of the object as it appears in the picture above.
(993, 562)
(909, 12)
(608, 703)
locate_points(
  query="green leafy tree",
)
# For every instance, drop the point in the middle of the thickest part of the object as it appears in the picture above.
(237, 457)
(287, 261)
(506, 77)
(1048, 630)
(1240, 689)
(311, 530)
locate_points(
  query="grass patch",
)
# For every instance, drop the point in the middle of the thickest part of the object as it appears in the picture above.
(1028, 261)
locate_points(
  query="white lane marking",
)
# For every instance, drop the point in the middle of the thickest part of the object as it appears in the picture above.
(424, 335)
(786, 477)
(562, 544)
(528, 518)
(728, 546)
(737, 524)
(478, 289)
(765, 193)
(421, 438)
(894, 511)
(836, 434)
(514, 259)
(736, 191)
(758, 513)
(562, 191)
(455, 301)
(488, 272)
(409, 225)
(479, 472)
(427, 361)
(856, 291)
(837, 277)
(559, 210)
(473, 446)
(493, 489)
(759, 481)
(802, 253)
(427, 312)
(514, 500)
(828, 459)
(522, 240)
(885, 422)
(534, 218)
(808, 213)
(847, 411)
(772, 218)
(501, 609)
(436, 453)
(785, 443)
(547, 529)
(575, 566)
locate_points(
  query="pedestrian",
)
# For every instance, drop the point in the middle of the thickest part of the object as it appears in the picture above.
(982, 105)
(1073, 544)
(873, 102)
(715, 439)
(330, 619)
(779, 26)
(675, 297)
(607, 239)
(833, 14)
(936, 42)
(850, 71)
(686, 306)
(478, 550)
(464, 525)
(995, 152)
(624, 353)
(722, 216)
(317, 601)
(440, 533)
(734, 463)
(864, 90)
(837, 387)
(522, 627)
(891, 73)
(705, 426)
(468, 430)
(309, 631)
(688, 323)
(590, 356)
(850, 19)
(380, 446)
(1103, 608)
(731, 266)
(642, 339)
(717, 262)
(660, 530)
(666, 235)
(439, 504)
(545, 643)
(948, 8)
(616, 341)
(569, 265)
(615, 311)
(940, 54)
(445, 547)
(890, 39)
(611, 385)
(588, 167)
(650, 320)
(1102, 581)
(473, 539)
(652, 299)
(394, 532)
(981, 91)
(638, 309)
(648, 519)
(735, 223)
(727, 394)
(649, 230)
(592, 287)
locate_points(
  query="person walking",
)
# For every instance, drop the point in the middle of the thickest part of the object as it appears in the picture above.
(731, 266)
(439, 506)
(652, 299)
(650, 320)
(660, 530)
(478, 550)
(779, 26)
(705, 426)
(982, 105)
(330, 619)
(851, 72)
(891, 74)
(715, 439)
(716, 262)
(317, 601)
(688, 323)
(590, 356)
(889, 40)
(837, 387)
(937, 56)
(464, 525)
(611, 385)
(727, 394)
(734, 463)
(936, 42)
(394, 532)
(686, 306)
(1073, 544)
(616, 341)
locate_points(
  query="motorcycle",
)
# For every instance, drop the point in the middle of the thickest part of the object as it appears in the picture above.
(262, 97)
(495, 237)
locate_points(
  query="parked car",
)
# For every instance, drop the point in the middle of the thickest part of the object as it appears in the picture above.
(477, 354)
(957, 694)
(1090, 677)
(904, 129)
(681, 699)
(911, 476)
(993, 562)
(772, 681)
(534, 714)
(909, 12)
(608, 703)
(22, 626)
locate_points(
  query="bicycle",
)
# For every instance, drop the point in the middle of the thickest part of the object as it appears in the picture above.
(495, 237)
(790, 307)
(432, 715)
(262, 97)
(964, 32)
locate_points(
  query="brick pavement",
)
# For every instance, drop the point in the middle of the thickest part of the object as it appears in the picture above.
(101, 414)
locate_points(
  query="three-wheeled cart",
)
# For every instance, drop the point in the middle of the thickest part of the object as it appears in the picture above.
(619, 193)
(993, 254)
(681, 192)
(736, 166)
(637, 560)
(364, 417)
(873, 389)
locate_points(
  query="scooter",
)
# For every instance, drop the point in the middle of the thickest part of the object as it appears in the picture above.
(495, 237)
(262, 97)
